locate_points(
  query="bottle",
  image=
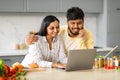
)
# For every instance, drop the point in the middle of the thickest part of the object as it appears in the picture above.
(111, 62)
(32, 32)
(15, 46)
(116, 62)
(21, 46)
(96, 63)
(108, 61)
(100, 63)
(105, 62)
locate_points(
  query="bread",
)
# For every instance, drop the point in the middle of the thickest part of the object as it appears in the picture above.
(33, 65)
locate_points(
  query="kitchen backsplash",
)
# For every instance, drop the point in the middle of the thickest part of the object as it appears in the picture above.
(14, 27)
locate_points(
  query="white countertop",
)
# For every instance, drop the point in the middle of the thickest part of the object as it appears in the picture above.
(13, 52)
(103, 49)
(56, 74)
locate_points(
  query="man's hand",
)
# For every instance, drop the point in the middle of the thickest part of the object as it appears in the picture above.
(31, 38)
(81, 33)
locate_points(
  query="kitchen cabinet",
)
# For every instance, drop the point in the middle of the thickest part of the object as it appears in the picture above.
(113, 23)
(9, 60)
(62, 5)
(12, 5)
(94, 6)
(29, 5)
(42, 5)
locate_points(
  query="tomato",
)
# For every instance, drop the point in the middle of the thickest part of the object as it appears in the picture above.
(2, 78)
(7, 78)
(13, 71)
(7, 69)
(106, 67)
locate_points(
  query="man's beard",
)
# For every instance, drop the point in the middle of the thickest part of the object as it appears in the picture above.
(72, 32)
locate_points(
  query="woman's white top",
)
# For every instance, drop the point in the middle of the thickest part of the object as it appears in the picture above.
(40, 53)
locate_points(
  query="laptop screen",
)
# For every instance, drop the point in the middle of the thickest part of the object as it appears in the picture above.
(80, 59)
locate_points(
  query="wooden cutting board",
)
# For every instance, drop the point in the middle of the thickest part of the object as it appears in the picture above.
(34, 69)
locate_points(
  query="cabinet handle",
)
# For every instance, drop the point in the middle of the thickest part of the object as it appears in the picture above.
(118, 9)
(7, 59)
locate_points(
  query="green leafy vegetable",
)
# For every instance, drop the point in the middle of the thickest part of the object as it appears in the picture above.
(2, 70)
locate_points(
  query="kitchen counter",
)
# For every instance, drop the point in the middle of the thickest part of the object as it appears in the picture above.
(24, 52)
(12, 56)
(58, 74)
(13, 52)
(105, 49)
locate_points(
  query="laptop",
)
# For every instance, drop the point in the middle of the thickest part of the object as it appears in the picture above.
(81, 59)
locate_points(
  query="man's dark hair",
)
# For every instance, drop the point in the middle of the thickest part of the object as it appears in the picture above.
(75, 13)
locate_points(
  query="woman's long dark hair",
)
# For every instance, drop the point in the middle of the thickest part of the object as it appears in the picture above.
(45, 23)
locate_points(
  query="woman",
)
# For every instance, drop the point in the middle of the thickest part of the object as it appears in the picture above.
(49, 50)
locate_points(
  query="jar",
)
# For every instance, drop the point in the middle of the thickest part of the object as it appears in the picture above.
(108, 61)
(21, 46)
(15, 46)
(96, 63)
(116, 62)
(100, 62)
(111, 62)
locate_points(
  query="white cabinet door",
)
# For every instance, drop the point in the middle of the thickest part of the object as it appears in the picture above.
(12, 5)
(113, 6)
(42, 5)
(9, 60)
(87, 5)
(113, 23)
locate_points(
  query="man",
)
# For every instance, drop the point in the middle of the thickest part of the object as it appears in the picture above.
(74, 35)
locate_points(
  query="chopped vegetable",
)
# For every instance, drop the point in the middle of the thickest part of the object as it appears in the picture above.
(98, 56)
(14, 73)
(2, 70)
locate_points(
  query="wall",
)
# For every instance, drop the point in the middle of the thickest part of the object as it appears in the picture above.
(14, 27)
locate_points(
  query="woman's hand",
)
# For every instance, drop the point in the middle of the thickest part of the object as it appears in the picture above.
(58, 65)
